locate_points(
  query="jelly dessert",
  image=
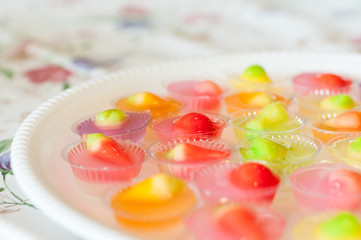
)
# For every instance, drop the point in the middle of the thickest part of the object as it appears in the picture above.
(334, 124)
(114, 122)
(346, 149)
(286, 150)
(235, 221)
(144, 101)
(327, 186)
(101, 159)
(272, 118)
(328, 226)
(255, 73)
(253, 77)
(252, 100)
(312, 103)
(155, 202)
(197, 95)
(251, 181)
(182, 156)
(189, 124)
(331, 83)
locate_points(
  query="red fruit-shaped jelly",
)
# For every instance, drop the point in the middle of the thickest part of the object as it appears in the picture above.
(330, 80)
(195, 123)
(107, 149)
(350, 120)
(240, 222)
(344, 182)
(207, 88)
(189, 153)
(253, 175)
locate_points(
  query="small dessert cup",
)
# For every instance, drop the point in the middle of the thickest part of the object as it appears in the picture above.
(240, 100)
(184, 90)
(237, 82)
(93, 175)
(252, 222)
(306, 83)
(301, 150)
(224, 190)
(132, 129)
(326, 186)
(322, 131)
(310, 103)
(164, 126)
(167, 105)
(319, 225)
(339, 148)
(184, 169)
(239, 119)
(152, 216)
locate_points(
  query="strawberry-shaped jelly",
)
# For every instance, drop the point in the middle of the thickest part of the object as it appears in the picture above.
(347, 121)
(253, 175)
(189, 124)
(251, 182)
(197, 94)
(308, 82)
(207, 88)
(327, 186)
(107, 149)
(194, 123)
(182, 156)
(186, 152)
(235, 221)
(342, 182)
(329, 79)
(238, 221)
(99, 160)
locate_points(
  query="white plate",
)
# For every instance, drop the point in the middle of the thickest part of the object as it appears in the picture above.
(36, 151)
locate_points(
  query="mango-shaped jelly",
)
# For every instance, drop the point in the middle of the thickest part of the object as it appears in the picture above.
(156, 189)
(350, 120)
(354, 150)
(264, 149)
(273, 113)
(256, 99)
(343, 226)
(112, 118)
(145, 99)
(186, 152)
(256, 74)
(107, 149)
(338, 102)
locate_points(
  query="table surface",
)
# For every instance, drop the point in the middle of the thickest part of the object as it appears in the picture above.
(87, 39)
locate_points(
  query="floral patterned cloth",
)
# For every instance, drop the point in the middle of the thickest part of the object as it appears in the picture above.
(47, 46)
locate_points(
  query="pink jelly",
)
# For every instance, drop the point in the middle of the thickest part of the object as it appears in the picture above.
(88, 168)
(327, 186)
(132, 129)
(166, 126)
(309, 82)
(185, 91)
(224, 189)
(204, 225)
(184, 169)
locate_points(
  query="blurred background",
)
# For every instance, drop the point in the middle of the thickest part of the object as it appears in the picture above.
(87, 38)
